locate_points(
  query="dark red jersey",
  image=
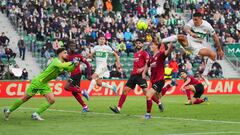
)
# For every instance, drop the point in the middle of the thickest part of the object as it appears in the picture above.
(193, 81)
(140, 59)
(77, 70)
(156, 63)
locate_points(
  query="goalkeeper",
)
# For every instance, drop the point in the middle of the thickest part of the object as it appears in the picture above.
(40, 84)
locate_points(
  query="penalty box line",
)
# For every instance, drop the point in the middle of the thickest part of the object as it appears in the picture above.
(138, 116)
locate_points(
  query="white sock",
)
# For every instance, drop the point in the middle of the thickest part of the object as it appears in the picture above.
(170, 39)
(208, 67)
(106, 85)
(92, 83)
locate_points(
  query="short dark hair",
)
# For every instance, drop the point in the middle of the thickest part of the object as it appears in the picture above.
(183, 71)
(60, 50)
(197, 14)
(139, 40)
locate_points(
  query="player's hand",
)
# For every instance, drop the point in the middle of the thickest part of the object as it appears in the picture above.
(193, 35)
(76, 61)
(220, 53)
(118, 65)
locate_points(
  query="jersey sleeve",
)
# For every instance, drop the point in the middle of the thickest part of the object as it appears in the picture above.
(210, 29)
(109, 49)
(64, 65)
(146, 56)
(190, 23)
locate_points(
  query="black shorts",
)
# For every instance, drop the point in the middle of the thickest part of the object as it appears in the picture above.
(157, 86)
(136, 79)
(75, 80)
(199, 90)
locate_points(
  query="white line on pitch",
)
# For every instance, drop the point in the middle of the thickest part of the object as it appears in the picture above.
(140, 116)
(205, 133)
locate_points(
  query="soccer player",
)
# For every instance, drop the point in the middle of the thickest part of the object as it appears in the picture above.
(156, 64)
(73, 84)
(101, 53)
(197, 29)
(141, 58)
(40, 85)
(192, 85)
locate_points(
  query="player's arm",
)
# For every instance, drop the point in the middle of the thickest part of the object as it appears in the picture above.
(185, 83)
(117, 60)
(146, 67)
(218, 45)
(187, 29)
(169, 50)
(88, 68)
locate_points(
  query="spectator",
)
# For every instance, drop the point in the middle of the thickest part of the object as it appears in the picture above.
(50, 60)
(109, 5)
(4, 40)
(22, 48)
(24, 74)
(168, 72)
(9, 53)
(174, 65)
(121, 47)
(56, 45)
(189, 68)
(129, 48)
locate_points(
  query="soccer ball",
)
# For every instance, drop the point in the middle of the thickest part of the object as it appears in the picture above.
(142, 25)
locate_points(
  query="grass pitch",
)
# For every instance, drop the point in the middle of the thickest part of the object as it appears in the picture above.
(221, 116)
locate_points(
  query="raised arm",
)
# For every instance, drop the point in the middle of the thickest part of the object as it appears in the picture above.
(117, 60)
(218, 45)
(169, 50)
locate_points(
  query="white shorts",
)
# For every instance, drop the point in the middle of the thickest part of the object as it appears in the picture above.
(195, 46)
(102, 71)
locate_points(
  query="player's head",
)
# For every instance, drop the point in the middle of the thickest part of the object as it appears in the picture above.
(155, 46)
(138, 44)
(101, 39)
(72, 47)
(62, 53)
(183, 74)
(197, 19)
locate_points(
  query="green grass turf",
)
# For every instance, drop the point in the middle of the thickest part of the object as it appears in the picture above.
(223, 114)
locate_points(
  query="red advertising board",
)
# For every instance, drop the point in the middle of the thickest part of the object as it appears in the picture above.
(17, 88)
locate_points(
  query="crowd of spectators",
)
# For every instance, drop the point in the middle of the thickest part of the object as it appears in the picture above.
(55, 22)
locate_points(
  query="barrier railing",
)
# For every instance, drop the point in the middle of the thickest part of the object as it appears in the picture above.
(232, 59)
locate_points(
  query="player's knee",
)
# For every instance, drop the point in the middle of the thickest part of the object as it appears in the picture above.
(126, 91)
(181, 37)
(212, 56)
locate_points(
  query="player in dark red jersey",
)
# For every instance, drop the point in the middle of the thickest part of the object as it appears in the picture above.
(141, 58)
(192, 85)
(73, 84)
(156, 64)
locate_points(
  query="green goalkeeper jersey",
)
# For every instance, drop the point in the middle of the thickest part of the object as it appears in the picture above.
(53, 70)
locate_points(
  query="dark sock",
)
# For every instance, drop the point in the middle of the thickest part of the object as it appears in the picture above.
(198, 101)
(79, 99)
(122, 100)
(149, 106)
(188, 92)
